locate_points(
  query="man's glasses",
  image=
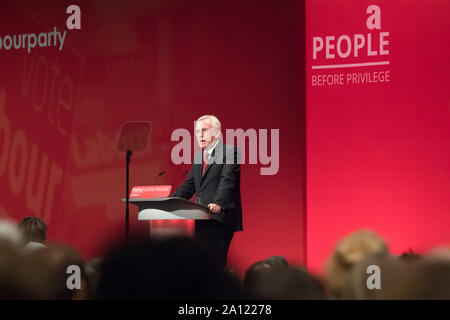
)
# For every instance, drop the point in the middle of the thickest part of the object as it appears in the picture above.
(203, 131)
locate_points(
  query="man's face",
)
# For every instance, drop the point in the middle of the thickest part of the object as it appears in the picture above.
(205, 133)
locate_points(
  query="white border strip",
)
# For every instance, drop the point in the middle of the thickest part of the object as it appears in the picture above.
(351, 65)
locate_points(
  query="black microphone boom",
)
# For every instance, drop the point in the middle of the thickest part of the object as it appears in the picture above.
(159, 175)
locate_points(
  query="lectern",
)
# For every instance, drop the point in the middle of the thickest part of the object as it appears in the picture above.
(168, 216)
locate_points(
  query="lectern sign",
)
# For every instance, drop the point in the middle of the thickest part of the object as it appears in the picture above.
(150, 192)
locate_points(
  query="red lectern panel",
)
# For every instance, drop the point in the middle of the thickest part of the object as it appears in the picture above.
(163, 227)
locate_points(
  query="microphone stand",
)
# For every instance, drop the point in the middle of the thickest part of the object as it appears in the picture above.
(127, 210)
(178, 183)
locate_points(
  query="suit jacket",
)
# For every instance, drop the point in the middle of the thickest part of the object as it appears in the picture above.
(220, 184)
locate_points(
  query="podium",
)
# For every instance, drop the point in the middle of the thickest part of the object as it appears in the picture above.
(170, 216)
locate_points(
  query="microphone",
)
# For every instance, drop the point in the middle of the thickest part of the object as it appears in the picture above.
(178, 182)
(159, 175)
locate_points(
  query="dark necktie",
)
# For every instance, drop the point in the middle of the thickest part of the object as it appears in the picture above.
(205, 162)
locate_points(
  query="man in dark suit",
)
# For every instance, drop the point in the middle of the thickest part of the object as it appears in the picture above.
(215, 179)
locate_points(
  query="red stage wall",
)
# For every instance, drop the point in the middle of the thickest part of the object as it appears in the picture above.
(167, 62)
(378, 153)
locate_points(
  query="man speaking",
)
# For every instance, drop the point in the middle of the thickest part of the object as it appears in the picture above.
(215, 179)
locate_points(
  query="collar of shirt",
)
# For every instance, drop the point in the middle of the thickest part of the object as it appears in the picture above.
(210, 150)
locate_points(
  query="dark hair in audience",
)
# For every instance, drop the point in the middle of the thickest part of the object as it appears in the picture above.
(410, 256)
(277, 262)
(256, 279)
(10, 260)
(262, 281)
(33, 229)
(296, 283)
(400, 279)
(92, 271)
(430, 280)
(46, 275)
(41, 274)
(181, 269)
(177, 268)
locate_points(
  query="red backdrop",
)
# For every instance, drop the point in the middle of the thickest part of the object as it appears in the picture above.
(378, 153)
(167, 62)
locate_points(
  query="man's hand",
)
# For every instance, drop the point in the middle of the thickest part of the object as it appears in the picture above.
(214, 208)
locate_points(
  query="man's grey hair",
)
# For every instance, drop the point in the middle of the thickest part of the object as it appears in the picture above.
(215, 122)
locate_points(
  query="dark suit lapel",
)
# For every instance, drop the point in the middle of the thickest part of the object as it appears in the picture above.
(197, 167)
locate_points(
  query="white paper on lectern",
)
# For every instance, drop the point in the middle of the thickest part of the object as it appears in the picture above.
(171, 208)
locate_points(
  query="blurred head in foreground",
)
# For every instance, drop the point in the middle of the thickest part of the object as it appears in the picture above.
(348, 253)
(40, 274)
(401, 279)
(275, 282)
(176, 268)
